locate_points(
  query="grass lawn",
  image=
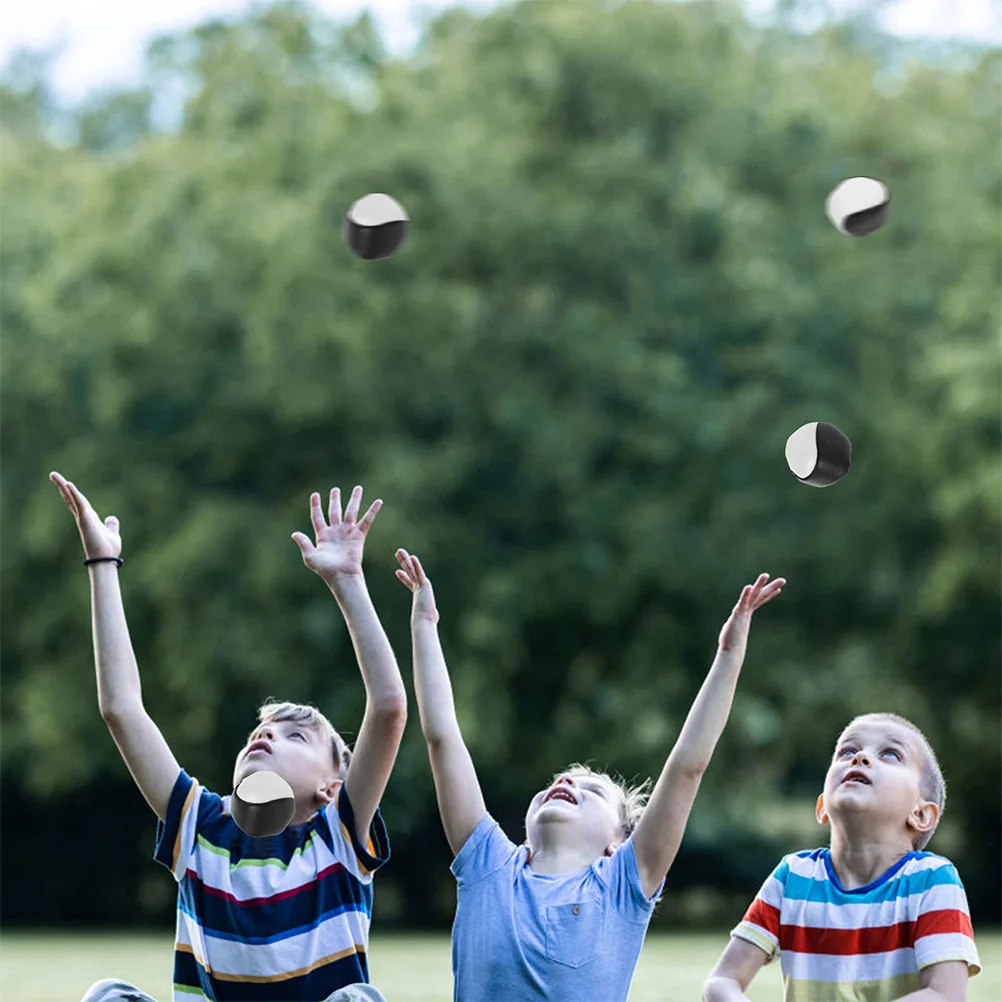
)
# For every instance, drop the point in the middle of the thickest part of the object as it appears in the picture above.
(60, 967)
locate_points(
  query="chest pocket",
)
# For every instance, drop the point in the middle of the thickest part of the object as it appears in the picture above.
(575, 933)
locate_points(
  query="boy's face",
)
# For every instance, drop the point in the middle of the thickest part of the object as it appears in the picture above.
(299, 754)
(876, 772)
(582, 811)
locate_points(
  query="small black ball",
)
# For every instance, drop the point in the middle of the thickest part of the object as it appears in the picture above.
(263, 804)
(375, 226)
(818, 454)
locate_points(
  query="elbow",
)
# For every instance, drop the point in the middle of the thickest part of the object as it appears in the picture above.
(710, 991)
(111, 714)
(689, 768)
(392, 710)
(435, 737)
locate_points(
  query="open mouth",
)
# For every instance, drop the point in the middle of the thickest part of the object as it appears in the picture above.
(856, 777)
(560, 794)
(258, 746)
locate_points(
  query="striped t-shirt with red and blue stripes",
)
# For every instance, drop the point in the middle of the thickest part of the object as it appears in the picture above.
(277, 919)
(867, 944)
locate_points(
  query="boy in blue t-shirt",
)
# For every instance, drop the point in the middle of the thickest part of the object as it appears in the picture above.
(562, 917)
(283, 918)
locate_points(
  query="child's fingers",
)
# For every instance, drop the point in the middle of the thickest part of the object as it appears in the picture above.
(61, 487)
(423, 579)
(354, 500)
(769, 592)
(80, 503)
(750, 592)
(369, 516)
(316, 514)
(303, 542)
(406, 579)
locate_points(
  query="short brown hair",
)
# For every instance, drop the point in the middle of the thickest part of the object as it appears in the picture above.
(932, 786)
(273, 711)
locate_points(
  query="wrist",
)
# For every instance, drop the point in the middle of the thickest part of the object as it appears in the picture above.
(343, 580)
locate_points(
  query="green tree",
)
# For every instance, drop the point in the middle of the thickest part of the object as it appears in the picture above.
(572, 388)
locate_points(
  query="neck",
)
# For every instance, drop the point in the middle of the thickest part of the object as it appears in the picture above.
(859, 858)
(553, 859)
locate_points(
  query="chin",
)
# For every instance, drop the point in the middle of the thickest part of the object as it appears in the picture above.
(257, 764)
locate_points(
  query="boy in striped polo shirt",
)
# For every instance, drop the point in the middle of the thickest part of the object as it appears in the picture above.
(282, 918)
(874, 918)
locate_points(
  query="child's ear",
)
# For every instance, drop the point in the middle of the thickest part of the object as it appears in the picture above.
(924, 816)
(819, 812)
(325, 794)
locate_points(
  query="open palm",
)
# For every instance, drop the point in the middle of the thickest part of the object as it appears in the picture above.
(339, 545)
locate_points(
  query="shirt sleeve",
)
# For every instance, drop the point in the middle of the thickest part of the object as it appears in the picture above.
(760, 925)
(942, 927)
(364, 859)
(620, 873)
(175, 838)
(486, 851)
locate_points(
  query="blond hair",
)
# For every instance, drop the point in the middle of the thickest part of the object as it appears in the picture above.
(633, 797)
(932, 786)
(274, 711)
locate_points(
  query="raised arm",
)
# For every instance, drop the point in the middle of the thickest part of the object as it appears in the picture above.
(659, 832)
(337, 558)
(460, 800)
(119, 695)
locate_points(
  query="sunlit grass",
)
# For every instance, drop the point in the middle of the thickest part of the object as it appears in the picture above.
(60, 967)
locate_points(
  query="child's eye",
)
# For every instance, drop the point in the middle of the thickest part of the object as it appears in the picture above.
(893, 751)
(296, 734)
(848, 749)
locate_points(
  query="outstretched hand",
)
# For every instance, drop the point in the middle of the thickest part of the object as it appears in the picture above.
(100, 539)
(734, 634)
(338, 549)
(412, 574)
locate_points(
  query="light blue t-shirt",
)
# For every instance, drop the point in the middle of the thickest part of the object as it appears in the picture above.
(519, 935)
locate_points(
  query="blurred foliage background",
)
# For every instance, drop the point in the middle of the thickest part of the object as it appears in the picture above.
(572, 387)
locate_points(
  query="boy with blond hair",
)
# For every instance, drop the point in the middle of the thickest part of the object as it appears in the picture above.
(283, 918)
(874, 918)
(564, 916)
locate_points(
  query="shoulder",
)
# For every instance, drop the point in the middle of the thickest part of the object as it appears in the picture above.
(796, 875)
(626, 886)
(335, 823)
(486, 851)
(803, 863)
(929, 861)
(928, 869)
